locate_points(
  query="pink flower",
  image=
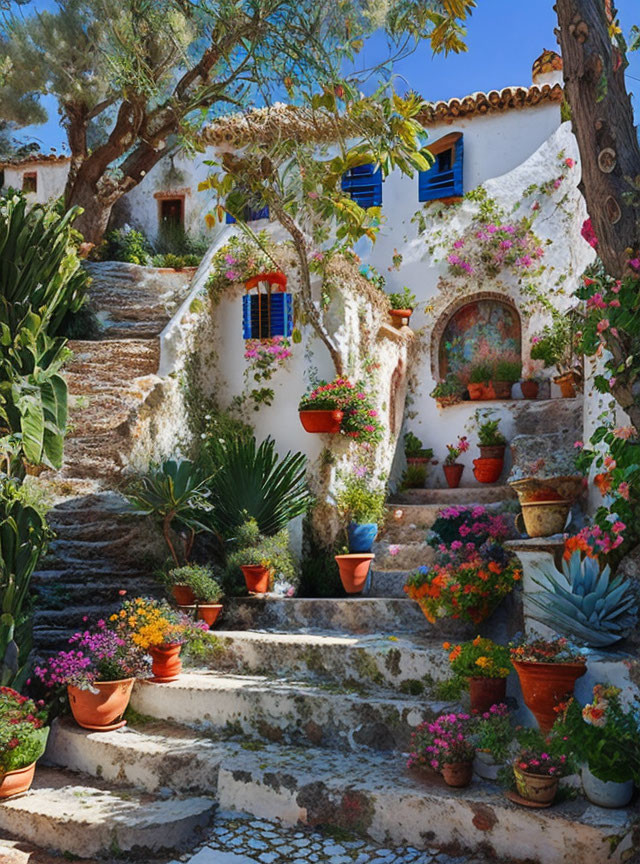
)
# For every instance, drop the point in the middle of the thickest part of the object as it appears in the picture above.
(609, 463)
(623, 490)
(231, 275)
(614, 302)
(394, 549)
(618, 527)
(557, 183)
(602, 325)
(458, 244)
(612, 381)
(569, 162)
(624, 432)
(578, 445)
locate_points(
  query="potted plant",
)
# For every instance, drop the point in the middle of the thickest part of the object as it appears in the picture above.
(493, 735)
(505, 374)
(205, 591)
(537, 774)
(354, 568)
(260, 558)
(402, 305)
(413, 477)
(558, 344)
(363, 509)
(492, 443)
(605, 740)
(548, 671)
(98, 672)
(530, 384)
(482, 666)
(341, 406)
(479, 378)
(448, 391)
(444, 746)
(452, 468)
(414, 452)
(23, 738)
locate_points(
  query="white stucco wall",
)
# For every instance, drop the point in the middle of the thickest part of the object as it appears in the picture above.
(52, 177)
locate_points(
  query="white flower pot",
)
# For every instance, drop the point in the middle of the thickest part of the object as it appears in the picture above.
(606, 793)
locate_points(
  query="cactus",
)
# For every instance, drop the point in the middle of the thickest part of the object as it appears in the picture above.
(583, 602)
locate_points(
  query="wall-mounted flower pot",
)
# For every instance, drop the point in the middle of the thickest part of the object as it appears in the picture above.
(165, 662)
(502, 389)
(457, 774)
(605, 793)
(183, 595)
(566, 383)
(492, 451)
(256, 577)
(17, 782)
(529, 389)
(101, 711)
(354, 569)
(485, 692)
(362, 536)
(453, 474)
(536, 788)
(327, 422)
(487, 470)
(543, 518)
(476, 391)
(545, 685)
(400, 317)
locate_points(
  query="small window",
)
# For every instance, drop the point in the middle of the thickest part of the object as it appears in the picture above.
(364, 185)
(269, 313)
(30, 181)
(172, 211)
(444, 178)
(250, 215)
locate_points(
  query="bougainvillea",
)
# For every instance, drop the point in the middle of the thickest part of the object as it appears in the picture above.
(488, 249)
(264, 358)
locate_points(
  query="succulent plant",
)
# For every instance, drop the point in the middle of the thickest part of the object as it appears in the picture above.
(583, 602)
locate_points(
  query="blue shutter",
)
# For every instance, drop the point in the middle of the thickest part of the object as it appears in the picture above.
(255, 315)
(249, 215)
(364, 185)
(439, 182)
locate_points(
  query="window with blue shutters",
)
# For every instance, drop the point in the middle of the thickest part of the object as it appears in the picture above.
(267, 314)
(444, 178)
(250, 215)
(364, 185)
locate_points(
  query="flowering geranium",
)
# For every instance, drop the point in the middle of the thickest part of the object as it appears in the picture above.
(558, 650)
(478, 658)
(493, 732)
(542, 763)
(360, 416)
(466, 525)
(23, 733)
(455, 450)
(443, 742)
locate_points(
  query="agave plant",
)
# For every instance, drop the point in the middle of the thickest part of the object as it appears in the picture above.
(584, 602)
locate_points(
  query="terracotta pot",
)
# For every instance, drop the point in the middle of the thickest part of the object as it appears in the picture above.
(488, 390)
(534, 787)
(209, 612)
(529, 389)
(327, 421)
(101, 711)
(183, 595)
(485, 692)
(400, 317)
(476, 391)
(16, 782)
(492, 451)
(566, 382)
(545, 685)
(453, 473)
(354, 570)
(543, 518)
(165, 662)
(487, 470)
(256, 577)
(502, 389)
(458, 773)
(418, 460)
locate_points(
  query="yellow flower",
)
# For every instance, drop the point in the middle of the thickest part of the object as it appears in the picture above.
(483, 662)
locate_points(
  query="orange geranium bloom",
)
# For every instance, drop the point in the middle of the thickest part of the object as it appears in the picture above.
(517, 574)
(494, 567)
(455, 653)
(571, 544)
(603, 482)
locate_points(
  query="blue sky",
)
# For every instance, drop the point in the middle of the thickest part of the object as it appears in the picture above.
(504, 38)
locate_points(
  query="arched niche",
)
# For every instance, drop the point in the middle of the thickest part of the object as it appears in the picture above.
(482, 327)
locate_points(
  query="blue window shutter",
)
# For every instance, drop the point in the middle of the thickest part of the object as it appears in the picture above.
(249, 215)
(256, 317)
(246, 316)
(229, 219)
(364, 184)
(443, 180)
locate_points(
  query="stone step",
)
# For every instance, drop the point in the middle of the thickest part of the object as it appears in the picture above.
(295, 712)
(71, 617)
(72, 814)
(408, 523)
(83, 575)
(406, 555)
(114, 360)
(19, 852)
(106, 529)
(464, 495)
(389, 583)
(117, 548)
(57, 595)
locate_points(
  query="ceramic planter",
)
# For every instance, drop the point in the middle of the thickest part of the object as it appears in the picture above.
(535, 787)
(566, 383)
(545, 685)
(487, 470)
(354, 570)
(606, 793)
(16, 782)
(101, 711)
(485, 692)
(458, 774)
(400, 317)
(327, 422)
(209, 612)
(256, 577)
(183, 595)
(485, 766)
(362, 536)
(529, 389)
(543, 518)
(566, 488)
(502, 389)
(165, 662)
(492, 451)
(453, 474)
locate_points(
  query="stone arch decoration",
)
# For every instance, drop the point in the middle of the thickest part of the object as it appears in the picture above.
(481, 327)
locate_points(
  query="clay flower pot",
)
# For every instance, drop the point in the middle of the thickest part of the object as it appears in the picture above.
(16, 782)
(327, 421)
(488, 391)
(492, 451)
(457, 773)
(400, 317)
(256, 577)
(566, 383)
(101, 711)
(543, 518)
(546, 685)
(165, 662)
(453, 474)
(354, 570)
(529, 389)
(183, 595)
(485, 692)
(535, 787)
(487, 470)
(209, 612)
(476, 391)
(502, 389)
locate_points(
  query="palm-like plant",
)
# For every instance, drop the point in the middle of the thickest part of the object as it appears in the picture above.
(584, 602)
(253, 482)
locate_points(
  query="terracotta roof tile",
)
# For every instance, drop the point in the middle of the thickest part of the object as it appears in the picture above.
(34, 159)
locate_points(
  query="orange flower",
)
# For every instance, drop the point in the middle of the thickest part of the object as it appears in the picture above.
(571, 544)
(603, 482)
(446, 646)
(482, 575)
(517, 575)
(455, 653)
(495, 568)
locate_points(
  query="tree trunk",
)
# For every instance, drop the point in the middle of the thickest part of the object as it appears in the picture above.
(92, 223)
(603, 124)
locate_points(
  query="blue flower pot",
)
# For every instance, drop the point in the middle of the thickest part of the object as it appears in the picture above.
(361, 537)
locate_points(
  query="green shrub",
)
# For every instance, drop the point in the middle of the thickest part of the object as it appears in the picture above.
(356, 502)
(403, 300)
(200, 579)
(507, 370)
(254, 548)
(413, 447)
(129, 246)
(489, 434)
(558, 343)
(481, 373)
(450, 386)
(414, 477)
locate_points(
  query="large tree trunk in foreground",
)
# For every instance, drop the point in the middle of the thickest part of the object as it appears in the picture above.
(603, 123)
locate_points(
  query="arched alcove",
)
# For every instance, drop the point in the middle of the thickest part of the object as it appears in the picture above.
(482, 327)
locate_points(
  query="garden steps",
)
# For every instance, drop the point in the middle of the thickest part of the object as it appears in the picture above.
(370, 794)
(392, 556)
(83, 816)
(463, 495)
(19, 852)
